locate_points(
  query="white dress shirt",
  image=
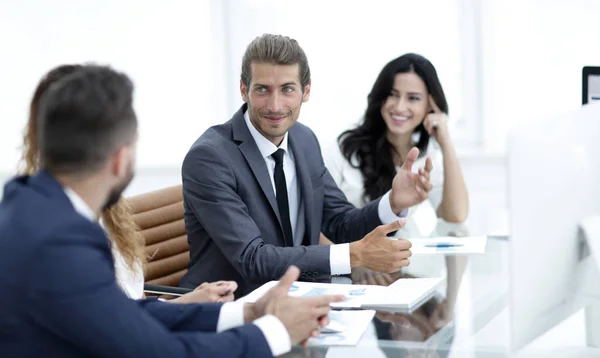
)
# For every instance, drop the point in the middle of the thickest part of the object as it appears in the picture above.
(267, 148)
(339, 255)
(231, 314)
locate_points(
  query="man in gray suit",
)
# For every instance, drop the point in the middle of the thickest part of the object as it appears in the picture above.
(257, 193)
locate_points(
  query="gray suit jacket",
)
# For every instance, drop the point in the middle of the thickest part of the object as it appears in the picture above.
(231, 214)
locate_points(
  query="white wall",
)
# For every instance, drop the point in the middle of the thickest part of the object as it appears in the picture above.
(501, 62)
(165, 47)
(532, 54)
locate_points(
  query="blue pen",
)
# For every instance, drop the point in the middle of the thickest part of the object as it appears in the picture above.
(443, 245)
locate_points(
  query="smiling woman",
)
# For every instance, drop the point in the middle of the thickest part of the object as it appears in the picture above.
(406, 108)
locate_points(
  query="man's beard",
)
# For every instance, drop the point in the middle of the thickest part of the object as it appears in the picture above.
(115, 194)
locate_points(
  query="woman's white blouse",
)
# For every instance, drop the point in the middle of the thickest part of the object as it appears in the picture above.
(130, 281)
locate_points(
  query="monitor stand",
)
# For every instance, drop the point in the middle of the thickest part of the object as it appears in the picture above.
(589, 286)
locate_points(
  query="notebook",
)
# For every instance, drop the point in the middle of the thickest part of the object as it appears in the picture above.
(404, 295)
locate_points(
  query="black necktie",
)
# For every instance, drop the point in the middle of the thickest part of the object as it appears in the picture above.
(282, 197)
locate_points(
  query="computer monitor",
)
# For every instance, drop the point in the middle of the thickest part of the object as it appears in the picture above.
(553, 183)
(590, 84)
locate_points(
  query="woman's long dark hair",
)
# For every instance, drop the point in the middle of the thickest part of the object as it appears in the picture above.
(366, 147)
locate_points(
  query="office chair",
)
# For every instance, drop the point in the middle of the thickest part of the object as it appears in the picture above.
(159, 215)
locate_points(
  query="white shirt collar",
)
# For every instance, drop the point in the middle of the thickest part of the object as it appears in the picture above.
(80, 206)
(265, 146)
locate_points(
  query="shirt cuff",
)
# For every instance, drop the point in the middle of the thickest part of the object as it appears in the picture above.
(339, 259)
(275, 333)
(384, 209)
(230, 316)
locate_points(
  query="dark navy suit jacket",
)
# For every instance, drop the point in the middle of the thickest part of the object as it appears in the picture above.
(59, 297)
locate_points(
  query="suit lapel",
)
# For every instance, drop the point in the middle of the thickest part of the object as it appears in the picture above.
(305, 185)
(254, 159)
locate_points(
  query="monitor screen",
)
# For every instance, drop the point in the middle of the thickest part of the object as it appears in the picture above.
(593, 88)
(591, 85)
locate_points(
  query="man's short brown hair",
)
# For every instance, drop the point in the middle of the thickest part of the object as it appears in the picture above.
(275, 49)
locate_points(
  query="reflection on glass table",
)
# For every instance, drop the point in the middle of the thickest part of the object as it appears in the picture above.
(474, 292)
(468, 317)
(434, 323)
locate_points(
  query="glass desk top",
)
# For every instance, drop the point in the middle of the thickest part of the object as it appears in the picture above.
(467, 318)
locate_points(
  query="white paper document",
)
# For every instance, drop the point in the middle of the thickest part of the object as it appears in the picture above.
(448, 245)
(355, 294)
(404, 295)
(355, 324)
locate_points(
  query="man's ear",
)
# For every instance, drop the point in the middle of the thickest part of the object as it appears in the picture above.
(306, 94)
(243, 92)
(119, 162)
